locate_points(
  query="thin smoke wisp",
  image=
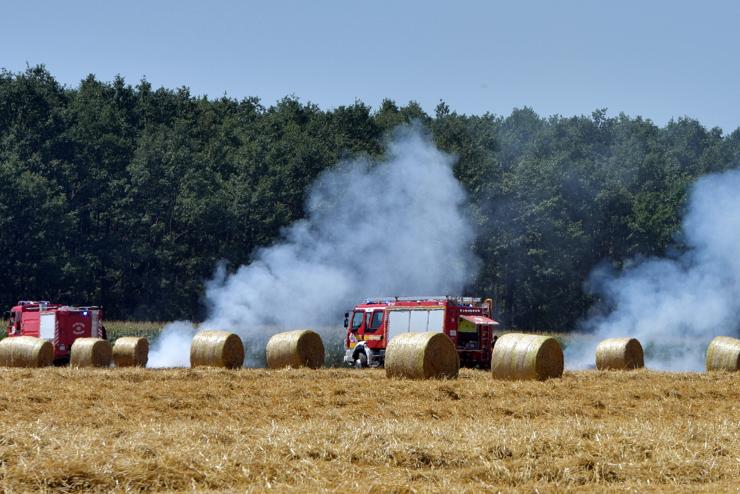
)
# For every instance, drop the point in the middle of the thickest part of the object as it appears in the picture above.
(395, 227)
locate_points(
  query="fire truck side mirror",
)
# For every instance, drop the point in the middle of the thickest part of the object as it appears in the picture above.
(346, 323)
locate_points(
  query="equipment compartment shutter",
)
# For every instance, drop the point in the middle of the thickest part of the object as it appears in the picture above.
(95, 331)
(47, 326)
(436, 320)
(398, 322)
(419, 320)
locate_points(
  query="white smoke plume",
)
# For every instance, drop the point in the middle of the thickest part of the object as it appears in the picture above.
(396, 227)
(676, 305)
(172, 346)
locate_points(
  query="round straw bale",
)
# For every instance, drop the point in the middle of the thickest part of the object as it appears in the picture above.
(526, 356)
(216, 349)
(620, 354)
(90, 352)
(26, 351)
(723, 353)
(421, 356)
(301, 348)
(131, 351)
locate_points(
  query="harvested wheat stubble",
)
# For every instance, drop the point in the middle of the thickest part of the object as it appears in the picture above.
(526, 356)
(421, 356)
(131, 351)
(180, 431)
(619, 354)
(723, 353)
(216, 349)
(26, 351)
(90, 352)
(301, 348)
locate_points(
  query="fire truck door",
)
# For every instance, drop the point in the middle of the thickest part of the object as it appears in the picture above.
(15, 322)
(373, 322)
(355, 326)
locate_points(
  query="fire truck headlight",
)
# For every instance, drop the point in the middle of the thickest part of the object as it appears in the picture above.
(84, 313)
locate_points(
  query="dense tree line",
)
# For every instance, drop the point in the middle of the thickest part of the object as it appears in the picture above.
(128, 196)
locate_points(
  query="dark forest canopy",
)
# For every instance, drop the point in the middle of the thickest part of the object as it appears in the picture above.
(128, 196)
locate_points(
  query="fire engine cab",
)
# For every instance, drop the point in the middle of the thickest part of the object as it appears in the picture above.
(467, 321)
(60, 324)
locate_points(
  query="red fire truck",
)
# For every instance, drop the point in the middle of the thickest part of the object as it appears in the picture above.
(60, 324)
(466, 320)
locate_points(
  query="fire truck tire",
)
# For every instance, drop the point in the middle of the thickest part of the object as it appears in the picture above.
(361, 360)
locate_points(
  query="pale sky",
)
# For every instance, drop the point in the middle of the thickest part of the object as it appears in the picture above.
(658, 59)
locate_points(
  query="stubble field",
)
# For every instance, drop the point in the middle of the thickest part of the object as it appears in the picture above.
(356, 431)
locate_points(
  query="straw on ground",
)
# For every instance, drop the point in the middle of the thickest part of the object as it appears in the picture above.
(304, 430)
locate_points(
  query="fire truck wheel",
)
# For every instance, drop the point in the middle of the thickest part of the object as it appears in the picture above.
(361, 360)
